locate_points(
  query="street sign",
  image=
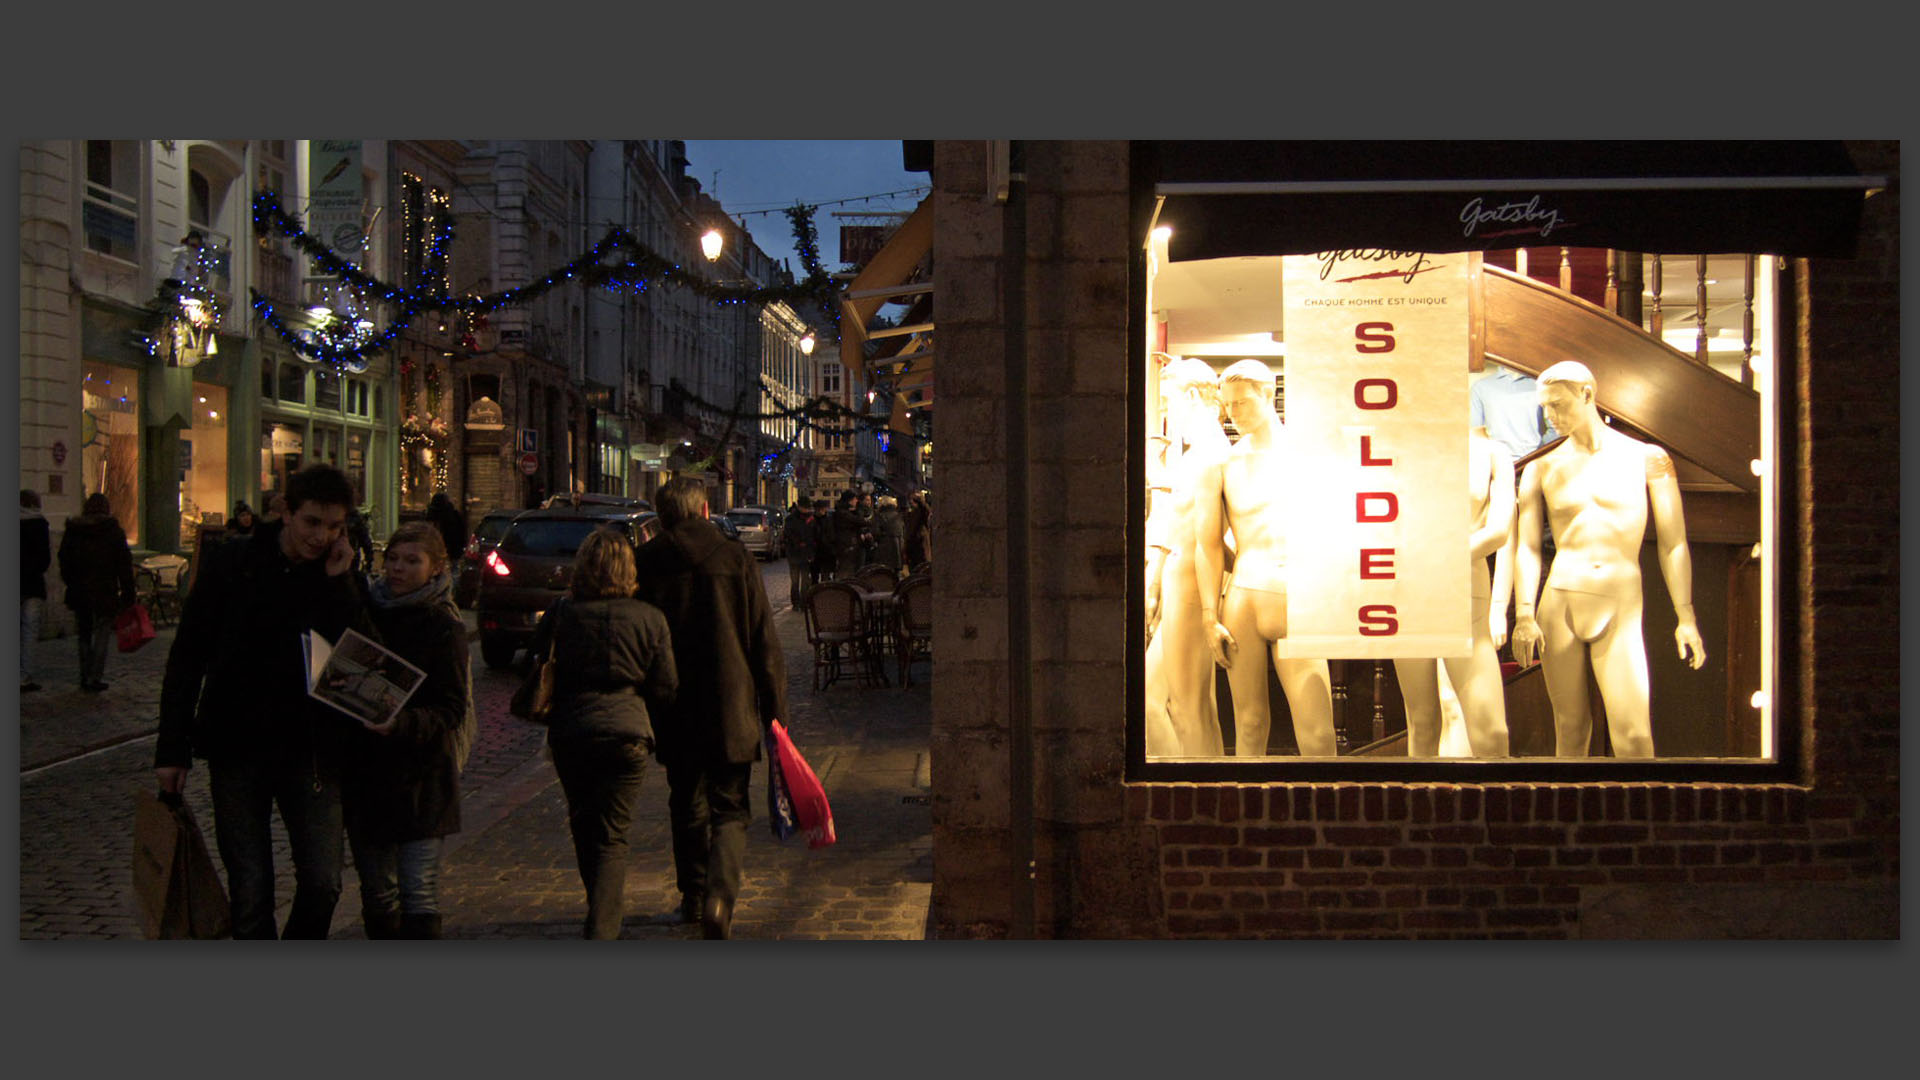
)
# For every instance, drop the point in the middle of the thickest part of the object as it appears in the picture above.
(529, 440)
(529, 463)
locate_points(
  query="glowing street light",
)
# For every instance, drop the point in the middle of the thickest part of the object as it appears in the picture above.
(710, 244)
(806, 345)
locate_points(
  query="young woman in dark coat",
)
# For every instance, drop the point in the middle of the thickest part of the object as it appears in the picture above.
(97, 568)
(401, 780)
(614, 666)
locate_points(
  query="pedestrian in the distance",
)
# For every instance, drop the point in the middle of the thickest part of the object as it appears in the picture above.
(848, 533)
(614, 674)
(889, 534)
(401, 781)
(450, 521)
(360, 539)
(235, 694)
(36, 554)
(97, 567)
(919, 538)
(822, 566)
(799, 539)
(242, 521)
(733, 685)
(276, 507)
(863, 506)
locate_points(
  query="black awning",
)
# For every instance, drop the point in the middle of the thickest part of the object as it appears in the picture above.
(1225, 198)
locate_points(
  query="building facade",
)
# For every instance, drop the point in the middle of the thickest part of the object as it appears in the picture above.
(1053, 819)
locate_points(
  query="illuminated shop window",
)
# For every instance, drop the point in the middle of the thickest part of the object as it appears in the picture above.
(110, 440)
(1474, 509)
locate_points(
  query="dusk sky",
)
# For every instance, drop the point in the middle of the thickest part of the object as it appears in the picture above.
(757, 180)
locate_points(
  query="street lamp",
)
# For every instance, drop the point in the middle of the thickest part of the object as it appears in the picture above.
(806, 344)
(710, 244)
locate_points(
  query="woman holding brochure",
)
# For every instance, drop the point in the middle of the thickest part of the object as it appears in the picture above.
(402, 782)
(612, 659)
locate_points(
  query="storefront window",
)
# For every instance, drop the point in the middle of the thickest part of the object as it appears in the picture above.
(110, 440)
(203, 463)
(282, 452)
(356, 464)
(1425, 505)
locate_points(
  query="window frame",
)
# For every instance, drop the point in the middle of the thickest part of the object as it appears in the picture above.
(1786, 766)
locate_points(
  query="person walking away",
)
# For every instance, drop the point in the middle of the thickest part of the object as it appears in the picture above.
(401, 779)
(242, 521)
(801, 534)
(919, 540)
(822, 566)
(36, 555)
(235, 695)
(96, 566)
(863, 506)
(849, 533)
(733, 685)
(889, 534)
(615, 673)
(450, 521)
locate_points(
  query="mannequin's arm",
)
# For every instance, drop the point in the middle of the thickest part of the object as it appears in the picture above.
(1492, 536)
(1210, 560)
(1526, 632)
(1676, 562)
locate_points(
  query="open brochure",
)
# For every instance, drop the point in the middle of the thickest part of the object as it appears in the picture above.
(359, 677)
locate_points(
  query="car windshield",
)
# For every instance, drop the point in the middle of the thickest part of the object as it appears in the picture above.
(548, 537)
(749, 519)
(492, 528)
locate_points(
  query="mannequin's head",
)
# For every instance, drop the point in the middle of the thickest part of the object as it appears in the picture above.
(1191, 389)
(1566, 395)
(1246, 392)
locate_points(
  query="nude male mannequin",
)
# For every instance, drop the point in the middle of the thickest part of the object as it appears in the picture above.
(1596, 488)
(1475, 677)
(1245, 492)
(1179, 668)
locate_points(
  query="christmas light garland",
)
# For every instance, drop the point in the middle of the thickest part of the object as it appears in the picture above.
(618, 262)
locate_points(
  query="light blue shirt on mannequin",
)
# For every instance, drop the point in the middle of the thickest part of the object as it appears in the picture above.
(1507, 404)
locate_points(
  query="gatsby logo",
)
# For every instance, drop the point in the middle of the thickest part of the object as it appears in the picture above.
(1407, 264)
(1524, 217)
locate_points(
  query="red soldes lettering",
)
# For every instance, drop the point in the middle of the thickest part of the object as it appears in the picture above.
(1389, 393)
(1373, 337)
(1376, 564)
(1377, 620)
(1361, 501)
(1366, 453)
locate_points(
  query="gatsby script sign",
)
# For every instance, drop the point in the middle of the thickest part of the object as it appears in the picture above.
(1377, 411)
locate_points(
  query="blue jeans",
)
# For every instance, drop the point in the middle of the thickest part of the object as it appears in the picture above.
(93, 632)
(398, 878)
(601, 779)
(307, 791)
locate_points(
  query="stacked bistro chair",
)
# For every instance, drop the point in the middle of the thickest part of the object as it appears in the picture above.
(913, 624)
(875, 577)
(836, 628)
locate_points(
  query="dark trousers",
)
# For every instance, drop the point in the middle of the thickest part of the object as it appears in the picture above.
(708, 807)
(601, 779)
(94, 633)
(307, 791)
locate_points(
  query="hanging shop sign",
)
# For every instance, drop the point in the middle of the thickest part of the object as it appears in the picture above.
(1377, 416)
(336, 197)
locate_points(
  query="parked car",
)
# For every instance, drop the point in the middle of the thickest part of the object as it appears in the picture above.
(486, 536)
(725, 525)
(531, 567)
(579, 499)
(762, 529)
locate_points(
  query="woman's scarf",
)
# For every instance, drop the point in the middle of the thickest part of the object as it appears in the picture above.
(437, 592)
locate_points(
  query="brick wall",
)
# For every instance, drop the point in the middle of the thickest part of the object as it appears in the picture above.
(1112, 859)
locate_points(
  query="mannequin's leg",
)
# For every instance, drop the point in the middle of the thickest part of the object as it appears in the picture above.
(1564, 658)
(1420, 689)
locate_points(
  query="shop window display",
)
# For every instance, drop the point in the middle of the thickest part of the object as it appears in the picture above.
(1333, 573)
(110, 440)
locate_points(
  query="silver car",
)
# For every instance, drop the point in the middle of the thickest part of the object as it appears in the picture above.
(760, 530)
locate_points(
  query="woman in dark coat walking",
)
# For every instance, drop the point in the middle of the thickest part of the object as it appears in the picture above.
(919, 529)
(450, 521)
(401, 782)
(615, 669)
(889, 534)
(97, 567)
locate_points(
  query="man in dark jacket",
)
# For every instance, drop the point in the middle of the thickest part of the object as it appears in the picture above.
(97, 567)
(821, 568)
(36, 554)
(849, 536)
(450, 521)
(733, 682)
(235, 694)
(800, 536)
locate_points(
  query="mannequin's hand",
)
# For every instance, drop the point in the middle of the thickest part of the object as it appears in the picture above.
(1153, 610)
(1526, 640)
(339, 557)
(1220, 641)
(1497, 625)
(1694, 651)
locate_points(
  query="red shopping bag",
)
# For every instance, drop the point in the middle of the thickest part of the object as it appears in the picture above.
(134, 627)
(809, 799)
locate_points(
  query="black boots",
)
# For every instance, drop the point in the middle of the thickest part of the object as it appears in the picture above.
(420, 926)
(691, 905)
(716, 918)
(385, 925)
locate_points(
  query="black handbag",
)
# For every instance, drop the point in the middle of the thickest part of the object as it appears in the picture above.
(533, 700)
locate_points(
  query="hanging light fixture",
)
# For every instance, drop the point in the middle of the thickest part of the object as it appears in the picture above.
(806, 344)
(710, 244)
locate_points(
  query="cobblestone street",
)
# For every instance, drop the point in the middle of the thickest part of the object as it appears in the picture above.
(510, 872)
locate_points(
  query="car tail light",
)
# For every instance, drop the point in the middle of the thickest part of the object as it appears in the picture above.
(497, 564)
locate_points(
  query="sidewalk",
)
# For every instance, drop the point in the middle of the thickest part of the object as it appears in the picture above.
(510, 872)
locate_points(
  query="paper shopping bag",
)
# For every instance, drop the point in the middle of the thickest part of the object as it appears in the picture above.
(134, 627)
(779, 801)
(176, 889)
